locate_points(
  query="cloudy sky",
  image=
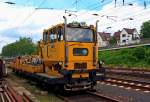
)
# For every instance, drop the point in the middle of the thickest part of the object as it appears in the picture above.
(24, 19)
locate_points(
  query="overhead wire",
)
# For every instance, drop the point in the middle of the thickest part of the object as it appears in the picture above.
(108, 9)
(86, 12)
(75, 3)
(93, 8)
(32, 12)
(18, 15)
(133, 5)
(40, 5)
(44, 1)
(130, 15)
(138, 13)
(26, 4)
(114, 24)
(24, 20)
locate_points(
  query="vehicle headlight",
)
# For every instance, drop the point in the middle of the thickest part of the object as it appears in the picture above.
(84, 52)
(80, 51)
(60, 63)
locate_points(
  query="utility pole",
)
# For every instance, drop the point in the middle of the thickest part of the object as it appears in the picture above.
(145, 5)
(123, 2)
(76, 3)
(115, 2)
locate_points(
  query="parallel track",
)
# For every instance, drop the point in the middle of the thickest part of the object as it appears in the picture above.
(130, 72)
(89, 97)
(8, 94)
(130, 84)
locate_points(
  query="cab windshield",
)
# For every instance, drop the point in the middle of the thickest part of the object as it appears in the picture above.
(79, 34)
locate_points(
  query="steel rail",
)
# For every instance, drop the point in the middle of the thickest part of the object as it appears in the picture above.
(93, 95)
(8, 94)
(27, 98)
(129, 80)
(64, 98)
(108, 98)
(2, 97)
(7, 97)
(129, 83)
(128, 69)
(129, 72)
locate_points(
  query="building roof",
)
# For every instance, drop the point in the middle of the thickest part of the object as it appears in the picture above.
(129, 31)
(105, 36)
(117, 35)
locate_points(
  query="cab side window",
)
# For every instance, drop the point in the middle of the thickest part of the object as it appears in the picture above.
(53, 36)
(60, 33)
(45, 36)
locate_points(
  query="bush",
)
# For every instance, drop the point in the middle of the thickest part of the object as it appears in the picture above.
(139, 53)
(147, 59)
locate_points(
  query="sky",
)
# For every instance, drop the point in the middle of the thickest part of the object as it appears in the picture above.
(28, 18)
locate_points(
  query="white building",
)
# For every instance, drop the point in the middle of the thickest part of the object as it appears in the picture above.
(127, 36)
(103, 39)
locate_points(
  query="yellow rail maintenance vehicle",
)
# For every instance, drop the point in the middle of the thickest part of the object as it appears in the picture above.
(67, 56)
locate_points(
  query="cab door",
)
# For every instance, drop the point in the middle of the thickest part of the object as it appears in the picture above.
(52, 52)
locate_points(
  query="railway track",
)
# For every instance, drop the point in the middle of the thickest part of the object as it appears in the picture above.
(129, 69)
(129, 84)
(130, 72)
(89, 97)
(8, 94)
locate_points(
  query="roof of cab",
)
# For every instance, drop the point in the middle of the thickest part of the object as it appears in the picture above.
(59, 25)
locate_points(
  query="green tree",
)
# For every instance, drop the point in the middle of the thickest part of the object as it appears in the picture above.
(113, 41)
(145, 29)
(22, 47)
